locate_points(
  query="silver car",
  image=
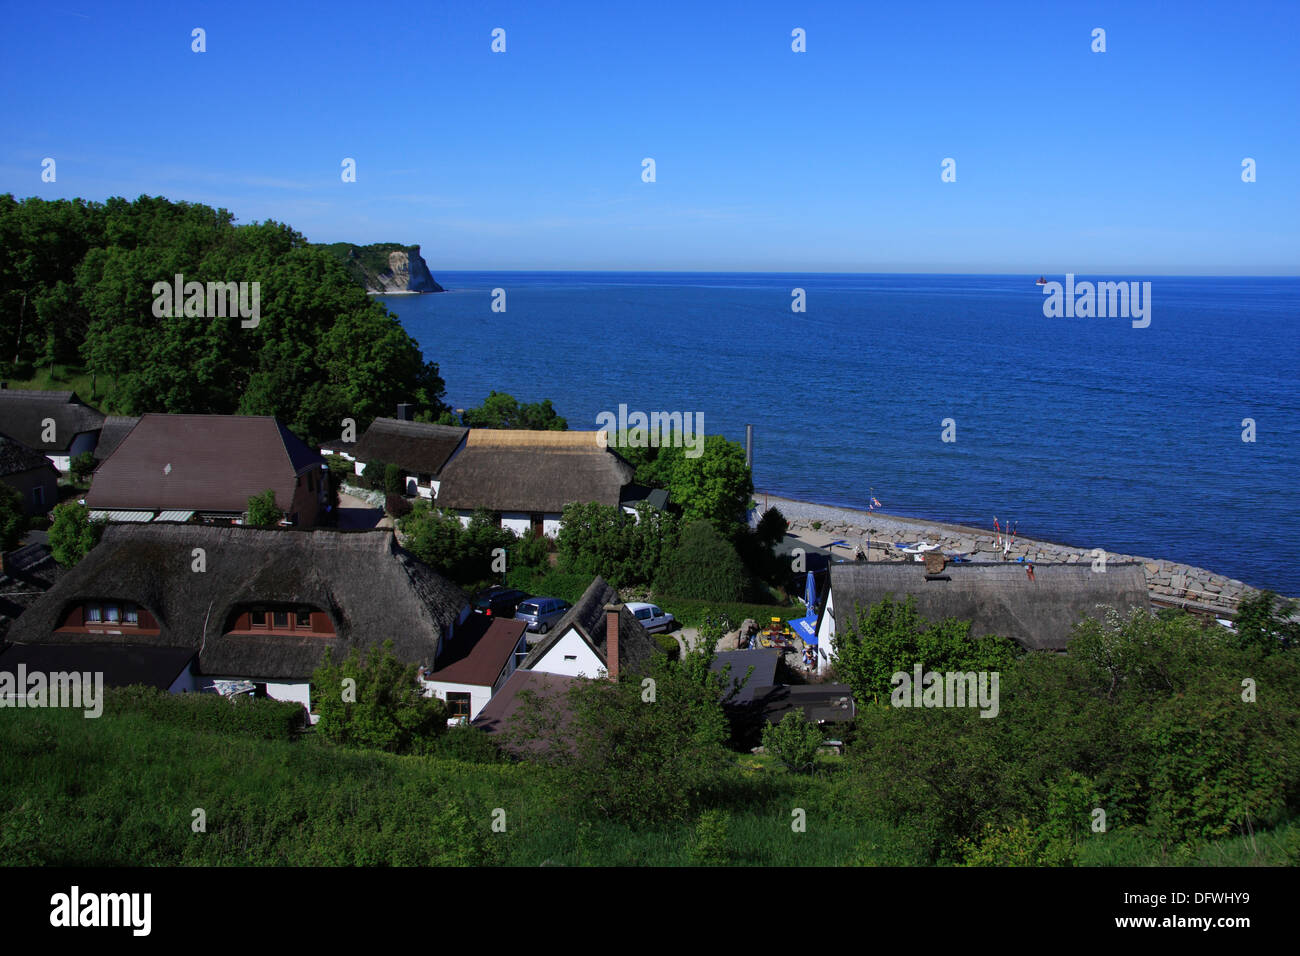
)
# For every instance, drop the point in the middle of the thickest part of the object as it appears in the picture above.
(541, 612)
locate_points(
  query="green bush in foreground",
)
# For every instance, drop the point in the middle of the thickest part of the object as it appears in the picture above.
(794, 742)
(242, 716)
(376, 702)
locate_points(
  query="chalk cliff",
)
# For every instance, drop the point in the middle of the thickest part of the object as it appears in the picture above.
(386, 267)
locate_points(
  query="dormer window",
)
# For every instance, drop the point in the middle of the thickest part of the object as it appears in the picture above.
(107, 614)
(285, 619)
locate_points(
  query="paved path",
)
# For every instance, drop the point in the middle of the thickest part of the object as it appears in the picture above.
(356, 514)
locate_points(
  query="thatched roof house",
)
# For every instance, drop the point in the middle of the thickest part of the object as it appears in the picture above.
(209, 464)
(25, 415)
(1000, 598)
(532, 472)
(418, 448)
(29, 473)
(330, 589)
(578, 645)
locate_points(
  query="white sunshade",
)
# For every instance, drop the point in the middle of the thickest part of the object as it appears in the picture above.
(140, 516)
(175, 516)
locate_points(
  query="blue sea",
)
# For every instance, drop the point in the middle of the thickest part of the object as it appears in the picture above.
(1085, 431)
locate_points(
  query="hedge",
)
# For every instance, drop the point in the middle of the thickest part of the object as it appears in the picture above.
(241, 716)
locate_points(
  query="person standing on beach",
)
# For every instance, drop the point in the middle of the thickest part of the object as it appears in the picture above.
(1029, 570)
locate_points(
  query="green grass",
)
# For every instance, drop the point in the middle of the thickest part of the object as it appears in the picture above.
(70, 377)
(122, 790)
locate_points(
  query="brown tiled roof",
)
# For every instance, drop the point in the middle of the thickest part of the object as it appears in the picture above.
(201, 463)
(478, 651)
(418, 447)
(553, 691)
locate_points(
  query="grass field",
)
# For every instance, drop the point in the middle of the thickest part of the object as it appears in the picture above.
(125, 789)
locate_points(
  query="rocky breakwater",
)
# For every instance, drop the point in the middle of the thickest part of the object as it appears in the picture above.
(1167, 581)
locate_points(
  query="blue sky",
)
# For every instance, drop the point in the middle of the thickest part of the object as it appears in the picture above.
(1127, 161)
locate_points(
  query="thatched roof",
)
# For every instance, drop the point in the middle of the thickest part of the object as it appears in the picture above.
(116, 427)
(997, 598)
(201, 463)
(23, 410)
(16, 458)
(635, 645)
(417, 447)
(29, 572)
(532, 471)
(371, 589)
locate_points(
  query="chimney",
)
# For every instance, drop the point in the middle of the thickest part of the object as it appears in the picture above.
(404, 412)
(611, 639)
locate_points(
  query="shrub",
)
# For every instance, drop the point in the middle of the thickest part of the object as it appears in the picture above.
(668, 644)
(397, 506)
(794, 742)
(771, 527)
(376, 702)
(241, 716)
(704, 566)
(82, 465)
(712, 846)
(262, 512)
(12, 520)
(394, 480)
(73, 534)
(372, 475)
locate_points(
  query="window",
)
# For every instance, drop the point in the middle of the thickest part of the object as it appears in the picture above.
(458, 704)
(302, 618)
(112, 613)
(131, 614)
(38, 496)
(280, 619)
(93, 614)
(257, 617)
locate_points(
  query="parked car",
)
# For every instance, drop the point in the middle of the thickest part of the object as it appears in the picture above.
(541, 612)
(498, 601)
(651, 618)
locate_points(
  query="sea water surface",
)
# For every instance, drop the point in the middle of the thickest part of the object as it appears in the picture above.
(1085, 431)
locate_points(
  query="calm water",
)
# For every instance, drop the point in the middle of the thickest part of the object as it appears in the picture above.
(1084, 430)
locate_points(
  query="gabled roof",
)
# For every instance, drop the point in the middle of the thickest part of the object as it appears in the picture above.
(635, 645)
(201, 463)
(115, 429)
(998, 598)
(763, 660)
(16, 458)
(532, 471)
(22, 412)
(478, 651)
(551, 690)
(415, 446)
(371, 589)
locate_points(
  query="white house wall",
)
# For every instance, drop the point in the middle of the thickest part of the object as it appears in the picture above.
(826, 634)
(478, 694)
(583, 662)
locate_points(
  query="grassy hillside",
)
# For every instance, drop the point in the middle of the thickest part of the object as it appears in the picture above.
(122, 789)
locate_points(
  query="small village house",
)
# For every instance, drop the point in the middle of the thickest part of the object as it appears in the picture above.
(29, 473)
(57, 424)
(527, 477)
(475, 663)
(265, 606)
(178, 467)
(1037, 613)
(420, 449)
(598, 637)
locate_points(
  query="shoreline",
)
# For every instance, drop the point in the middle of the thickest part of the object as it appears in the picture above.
(1169, 581)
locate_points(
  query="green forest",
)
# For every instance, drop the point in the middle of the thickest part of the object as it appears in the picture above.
(77, 311)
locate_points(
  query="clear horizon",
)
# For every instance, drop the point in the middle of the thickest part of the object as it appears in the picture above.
(1126, 162)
